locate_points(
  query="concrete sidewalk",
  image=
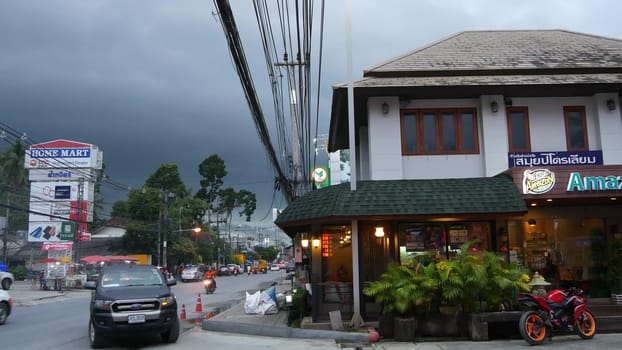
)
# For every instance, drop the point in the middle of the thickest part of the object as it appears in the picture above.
(234, 320)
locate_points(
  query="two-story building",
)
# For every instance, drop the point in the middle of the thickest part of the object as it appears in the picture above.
(513, 138)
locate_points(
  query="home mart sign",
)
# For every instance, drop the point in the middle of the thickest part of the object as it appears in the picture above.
(579, 183)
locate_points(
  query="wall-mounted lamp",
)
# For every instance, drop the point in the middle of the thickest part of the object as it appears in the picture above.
(304, 242)
(316, 243)
(531, 222)
(494, 106)
(611, 104)
(385, 108)
(379, 232)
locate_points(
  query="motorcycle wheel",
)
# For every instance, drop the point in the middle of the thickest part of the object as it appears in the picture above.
(585, 325)
(532, 328)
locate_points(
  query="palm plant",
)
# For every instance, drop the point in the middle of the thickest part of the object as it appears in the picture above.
(403, 290)
(468, 280)
(486, 277)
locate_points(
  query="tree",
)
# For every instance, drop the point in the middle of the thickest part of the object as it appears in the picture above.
(13, 179)
(167, 179)
(213, 170)
(139, 239)
(267, 253)
(150, 205)
(247, 202)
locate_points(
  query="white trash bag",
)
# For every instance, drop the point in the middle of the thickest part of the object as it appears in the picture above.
(259, 303)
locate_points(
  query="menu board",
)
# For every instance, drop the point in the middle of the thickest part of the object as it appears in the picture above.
(414, 237)
(462, 233)
(458, 235)
(421, 237)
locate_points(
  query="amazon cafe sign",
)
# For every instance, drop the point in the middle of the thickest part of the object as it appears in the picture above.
(567, 180)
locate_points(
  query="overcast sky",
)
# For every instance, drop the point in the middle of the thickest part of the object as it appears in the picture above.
(152, 81)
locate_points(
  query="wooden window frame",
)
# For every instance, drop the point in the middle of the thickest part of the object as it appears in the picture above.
(508, 115)
(438, 114)
(581, 110)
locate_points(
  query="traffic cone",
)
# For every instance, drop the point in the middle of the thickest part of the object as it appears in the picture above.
(183, 312)
(199, 308)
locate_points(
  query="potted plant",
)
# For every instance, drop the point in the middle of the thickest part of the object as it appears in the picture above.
(471, 282)
(403, 292)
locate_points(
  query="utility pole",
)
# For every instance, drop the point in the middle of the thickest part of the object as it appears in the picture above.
(5, 236)
(296, 166)
(80, 222)
(165, 196)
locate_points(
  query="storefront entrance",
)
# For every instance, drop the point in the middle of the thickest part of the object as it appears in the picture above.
(565, 250)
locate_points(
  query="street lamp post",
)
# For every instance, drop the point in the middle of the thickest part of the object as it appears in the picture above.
(196, 230)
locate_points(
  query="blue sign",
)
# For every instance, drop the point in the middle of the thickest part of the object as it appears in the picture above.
(62, 192)
(539, 159)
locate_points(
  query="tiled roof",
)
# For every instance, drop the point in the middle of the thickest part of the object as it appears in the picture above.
(387, 198)
(509, 50)
(487, 80)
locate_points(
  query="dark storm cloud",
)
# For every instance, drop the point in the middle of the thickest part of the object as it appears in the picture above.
(141, 80)
(152, 82)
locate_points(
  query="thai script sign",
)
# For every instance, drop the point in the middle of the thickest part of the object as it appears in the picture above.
(60, 174)
(538, 159)
(56, 247)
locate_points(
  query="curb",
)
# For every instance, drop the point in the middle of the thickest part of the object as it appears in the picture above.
(283, 332)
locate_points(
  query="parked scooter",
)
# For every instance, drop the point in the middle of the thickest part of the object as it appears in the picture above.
(210, 285)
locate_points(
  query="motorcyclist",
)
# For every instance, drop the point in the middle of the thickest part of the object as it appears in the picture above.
(210, 274)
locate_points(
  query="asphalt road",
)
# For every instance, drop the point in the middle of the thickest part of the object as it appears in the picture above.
(59, 321)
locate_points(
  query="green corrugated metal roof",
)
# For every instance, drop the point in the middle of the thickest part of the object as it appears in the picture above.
(497, 194)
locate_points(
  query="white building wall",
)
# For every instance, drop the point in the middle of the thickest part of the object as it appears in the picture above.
(493, 135)
(610, 128)
(381, 153)
(385, 145)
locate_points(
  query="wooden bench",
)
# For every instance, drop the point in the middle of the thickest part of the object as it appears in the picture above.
(478, 323)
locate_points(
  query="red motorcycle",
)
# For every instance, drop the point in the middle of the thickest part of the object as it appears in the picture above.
(561, 311)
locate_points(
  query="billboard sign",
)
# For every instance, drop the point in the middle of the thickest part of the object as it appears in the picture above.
(60, 191)
(60, 211)
(59, 174)
(63, 154)
(56, 247)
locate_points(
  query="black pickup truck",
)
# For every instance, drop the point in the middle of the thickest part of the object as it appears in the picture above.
(130, 299)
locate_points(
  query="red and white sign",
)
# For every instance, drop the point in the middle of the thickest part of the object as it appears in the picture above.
(59, 154)
(56, 246)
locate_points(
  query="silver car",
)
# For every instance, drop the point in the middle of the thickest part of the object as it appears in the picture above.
(192, 273)
(6, 304)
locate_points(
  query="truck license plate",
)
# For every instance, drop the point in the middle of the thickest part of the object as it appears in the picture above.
(138, 318)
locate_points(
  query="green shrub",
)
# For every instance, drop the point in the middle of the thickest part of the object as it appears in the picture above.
(20, 272)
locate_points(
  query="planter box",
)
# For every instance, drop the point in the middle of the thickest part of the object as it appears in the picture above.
(442, 325)
(478, 322)
(405, 329)
(386, 325)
